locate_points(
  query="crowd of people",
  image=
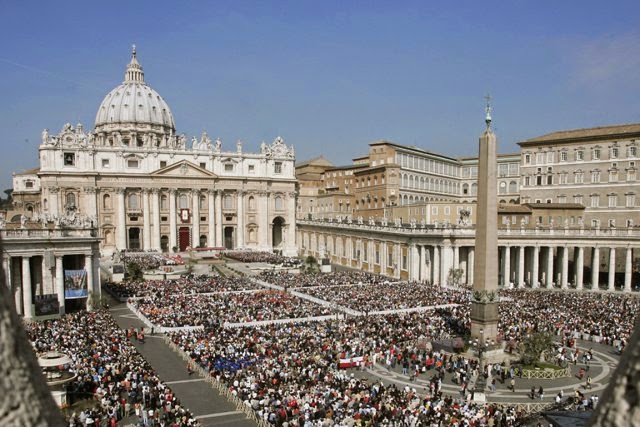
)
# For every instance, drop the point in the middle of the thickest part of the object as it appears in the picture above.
(148, 260)
(109, 371)
(262, 256)
(297, 381)
(336, 278)
(188, 284)
(230, 307)
(388, 296)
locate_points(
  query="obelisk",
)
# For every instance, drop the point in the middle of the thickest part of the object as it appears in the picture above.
(484, 303)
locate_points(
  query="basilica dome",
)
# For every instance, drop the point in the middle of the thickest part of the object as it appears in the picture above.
(134, 102)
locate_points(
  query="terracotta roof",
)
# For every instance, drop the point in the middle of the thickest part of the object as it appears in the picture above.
(511, 208)
(319, 161)
(600, 132)
(32, 171)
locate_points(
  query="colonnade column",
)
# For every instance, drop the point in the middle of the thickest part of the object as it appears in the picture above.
(218, 203)
(195, 218)
(627, 269)
(88, 266)
(565, 268)
(471, 261)
(60, 283)
(536, 267)
(595, 268)
(240, 202)
(507, 267)
(155, 202)
(173, 240)
(580, 267)
(398, 260)
(520, 283)
(383, 255)
(456, 256)
(121, 242)
(421, 263)
(146, 219)
(612, 269)
(436, 265)
(27, 294)
(290, 242)
(549, 278)
(211, 217)
(413, 262)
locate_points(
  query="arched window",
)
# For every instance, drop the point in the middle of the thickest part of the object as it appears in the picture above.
(513, 187)
(134, 201)
(106, 201)
(70, 199)
(45, 204)
(108, 237)
(164, 202)
(278, 203)
(203, 202)
(465, 189)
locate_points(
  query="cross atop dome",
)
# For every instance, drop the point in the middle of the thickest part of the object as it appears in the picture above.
(134, 73)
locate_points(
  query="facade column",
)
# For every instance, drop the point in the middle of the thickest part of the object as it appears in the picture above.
(121, 242)
(360, 252)
(290, 241)
(580, 268)
(240, 211)
(507, 267)
(595, 268)
(382, 245)
(627, 269)
(173, 239)
(6, 267)
(436, 265)
(421, 263)
(520, 283)
(195, 218)
(536, 267)
(564, 278)
(612, 269)
(263, 221)
(549, 278)
(211, 217)
(27, 292)
(146, 219)
(471, 261)
(456, 256)
(218, 218)
(372, 255)
(90, 195)
(88, 266)
(60, 283)
(54, 194)
(155, 233)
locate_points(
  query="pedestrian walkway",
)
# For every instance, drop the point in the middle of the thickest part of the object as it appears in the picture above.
(196, 394)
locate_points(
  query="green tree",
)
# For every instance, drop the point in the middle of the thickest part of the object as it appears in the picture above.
(134, 271)
(311, 264)
(534, 346)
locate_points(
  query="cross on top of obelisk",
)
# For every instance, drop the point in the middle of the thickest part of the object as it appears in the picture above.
(487, 110)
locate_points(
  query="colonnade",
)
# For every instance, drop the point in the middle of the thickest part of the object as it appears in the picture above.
(48, 279)
(550, 264)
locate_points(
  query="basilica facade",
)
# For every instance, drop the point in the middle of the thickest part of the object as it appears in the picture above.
(150, 188)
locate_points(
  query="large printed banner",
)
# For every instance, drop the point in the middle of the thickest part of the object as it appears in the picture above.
(75, 284)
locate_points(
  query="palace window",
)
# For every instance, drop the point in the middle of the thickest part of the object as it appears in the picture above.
(612, 200)
(595, 200)
(228, 202)
(595, 154)
(633, 151)
(614, 152)
(228, 167)
(133, 163)
(105, 163)
(595, 176)
(631, 200)
(579, 155)
(277, 167)
(134, 201)
(70, 200)
(577, 199)
(183, 201)
(563, 156)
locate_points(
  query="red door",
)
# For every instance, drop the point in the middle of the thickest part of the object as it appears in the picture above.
(184, 238)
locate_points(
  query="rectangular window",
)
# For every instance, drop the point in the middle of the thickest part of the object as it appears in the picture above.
(447, 210)
(631, 200)
(613, 176)
(595, 201)
(527, 181)
(527, 159)
(105, 163)
(614, 152)
(203, 165)
(69, 159)
(163, 163)
(28, 184)
(390, 259)
(252, 168)
(577, 199)
(133, 163)
(434, 210)
(596, 154)
(612, 223)
(550, 157)
(563, 156)
(539, 158)
(631, 175)
(277, 167)
(228, 167)
(579, 155)
(632, 151)
(613, 200)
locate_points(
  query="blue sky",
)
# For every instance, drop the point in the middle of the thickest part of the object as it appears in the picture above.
(328, 76)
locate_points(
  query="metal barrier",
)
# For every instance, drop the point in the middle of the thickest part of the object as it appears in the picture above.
(547, 374)
(215, 384)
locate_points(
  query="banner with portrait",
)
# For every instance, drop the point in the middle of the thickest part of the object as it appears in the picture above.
(75, 284)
